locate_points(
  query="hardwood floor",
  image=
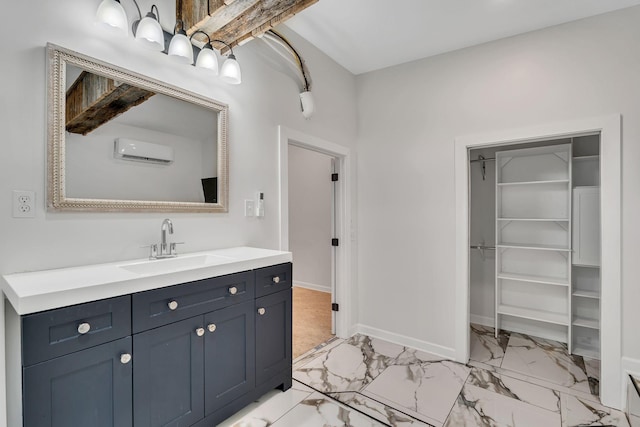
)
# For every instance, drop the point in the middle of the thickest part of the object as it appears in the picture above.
(311, 319)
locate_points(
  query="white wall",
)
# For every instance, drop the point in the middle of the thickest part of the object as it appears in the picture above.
(310, 217)
(263, 101)
(409, 116)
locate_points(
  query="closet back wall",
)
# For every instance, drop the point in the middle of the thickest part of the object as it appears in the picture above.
(412, 114)
(264, 100)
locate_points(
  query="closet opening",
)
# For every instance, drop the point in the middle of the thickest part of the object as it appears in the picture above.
(534, 259)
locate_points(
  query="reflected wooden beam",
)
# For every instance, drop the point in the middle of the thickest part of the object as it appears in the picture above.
(93, 100)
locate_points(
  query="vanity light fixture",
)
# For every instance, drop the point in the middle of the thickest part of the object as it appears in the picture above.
(180, 47)
(148, 31)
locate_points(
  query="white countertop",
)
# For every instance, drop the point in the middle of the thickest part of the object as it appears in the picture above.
(43, 290)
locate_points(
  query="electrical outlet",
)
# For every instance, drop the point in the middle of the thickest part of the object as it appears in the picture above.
(249, 208)
(24, 204)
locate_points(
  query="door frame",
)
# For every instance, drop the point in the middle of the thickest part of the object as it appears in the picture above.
(609, 127)
(342, 254)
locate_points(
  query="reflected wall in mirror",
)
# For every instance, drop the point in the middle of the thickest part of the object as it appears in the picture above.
(119, 141)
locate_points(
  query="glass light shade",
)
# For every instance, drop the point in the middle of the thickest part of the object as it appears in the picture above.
(180, 48)
(230, 71)
(207, 59)
(112, 14)
(307, 104)
(149, 32)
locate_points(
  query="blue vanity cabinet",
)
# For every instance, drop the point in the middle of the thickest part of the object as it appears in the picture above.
(273, 335)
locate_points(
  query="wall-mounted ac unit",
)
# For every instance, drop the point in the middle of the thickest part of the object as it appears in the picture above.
(140, 151)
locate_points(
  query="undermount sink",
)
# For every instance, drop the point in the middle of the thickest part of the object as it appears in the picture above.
(168, 265)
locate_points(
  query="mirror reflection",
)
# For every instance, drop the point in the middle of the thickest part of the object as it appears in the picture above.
(124, 142)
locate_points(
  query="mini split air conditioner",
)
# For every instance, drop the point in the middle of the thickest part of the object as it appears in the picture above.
(140, 151)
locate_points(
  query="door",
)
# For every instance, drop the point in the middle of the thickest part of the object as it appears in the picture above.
(91, 387)
(229, 354)
(273, 335)
(169, 377)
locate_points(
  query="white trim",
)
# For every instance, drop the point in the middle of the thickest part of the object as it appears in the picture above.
(312, 286)
(344, 285)
(482, 320)
(610, 168)
(403, 340)
(629, 366)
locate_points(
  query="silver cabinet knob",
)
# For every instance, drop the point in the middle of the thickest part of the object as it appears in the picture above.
(125, 358)
(276, 279)
(212, 327)
(262, 311)
(83, 328)
(200, 332)
(172, 305)
(233, 290)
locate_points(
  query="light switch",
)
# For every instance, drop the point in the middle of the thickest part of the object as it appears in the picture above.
(249, 208)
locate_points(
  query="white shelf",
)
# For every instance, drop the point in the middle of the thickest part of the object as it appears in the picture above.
(586, 323)
(539, 315)
(535, 219)
(534, 247)
(547, 182)
(586, 294)
(534, 279)
(584, 158)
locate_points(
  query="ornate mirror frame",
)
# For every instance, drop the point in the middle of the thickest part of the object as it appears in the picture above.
(57, 59)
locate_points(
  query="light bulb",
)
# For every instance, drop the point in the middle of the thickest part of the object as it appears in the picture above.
(149, 32)
(180, 48)
(207, 59)
(230, 71)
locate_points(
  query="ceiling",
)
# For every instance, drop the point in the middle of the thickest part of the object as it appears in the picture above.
(367, 35)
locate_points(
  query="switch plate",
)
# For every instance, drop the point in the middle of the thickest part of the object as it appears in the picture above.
(24, 204)
(249, 208)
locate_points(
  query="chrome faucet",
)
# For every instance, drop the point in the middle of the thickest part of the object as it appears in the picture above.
(166, 249)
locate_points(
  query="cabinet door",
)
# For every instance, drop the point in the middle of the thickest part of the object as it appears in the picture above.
(91, 387)
(273, 335)
(168, 379)
(229, 354)
(586, 226)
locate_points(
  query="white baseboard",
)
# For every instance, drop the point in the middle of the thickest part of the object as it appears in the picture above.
(312, 286)
(482, 320)
(629, 366)
(438, 350)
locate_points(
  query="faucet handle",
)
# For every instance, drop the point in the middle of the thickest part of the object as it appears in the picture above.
(153, 250)
(172, 247)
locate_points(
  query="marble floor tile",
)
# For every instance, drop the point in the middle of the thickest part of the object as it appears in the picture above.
(582, 413)
(593, 373)
(533, 380)
(316, 352)
(270, 407)
(516, 389)
(477, 407)
(426, 390)
(485, 347)
(545, 359)
(318, 410)
(349, 366)
(377, 410)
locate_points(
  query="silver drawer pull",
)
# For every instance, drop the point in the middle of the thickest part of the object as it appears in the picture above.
(83, 328)
(233, 290)
(262, 311)
(212, 327)
(200, 332)
(125, 358)
(172, 305)
(276, 279)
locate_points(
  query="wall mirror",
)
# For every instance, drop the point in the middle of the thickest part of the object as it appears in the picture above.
(119, 141)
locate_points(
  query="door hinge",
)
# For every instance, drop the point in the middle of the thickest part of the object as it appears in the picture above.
(334, 177)
(335, 306)
(335, 242)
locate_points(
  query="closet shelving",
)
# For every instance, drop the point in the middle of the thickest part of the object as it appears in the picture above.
(586, 285)
(533, 235)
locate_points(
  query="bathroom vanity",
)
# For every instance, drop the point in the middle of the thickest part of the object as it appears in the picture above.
(186, 341)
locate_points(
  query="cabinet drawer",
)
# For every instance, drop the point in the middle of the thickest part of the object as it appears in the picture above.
(167, 305)
(273, 279)
(65, 330)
